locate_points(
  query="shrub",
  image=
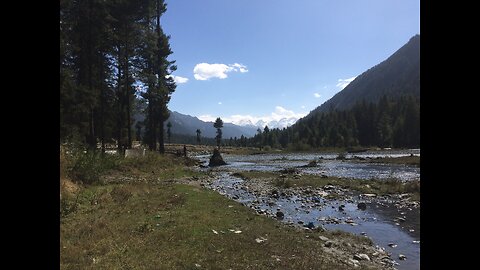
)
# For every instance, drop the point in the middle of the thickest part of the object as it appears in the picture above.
(283, 183)
(87, 167)
(341, 156)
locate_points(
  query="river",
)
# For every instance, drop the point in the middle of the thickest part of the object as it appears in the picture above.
(391, 223)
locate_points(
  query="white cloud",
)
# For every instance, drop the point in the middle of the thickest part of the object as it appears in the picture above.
(205, 71)
(219, 103)
(342, 83)
(239, 67)
(317, 95)
(303, 107)
(178, 79)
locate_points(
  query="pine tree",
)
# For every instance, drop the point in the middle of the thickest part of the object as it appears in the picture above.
(218, 125)
(199, 132)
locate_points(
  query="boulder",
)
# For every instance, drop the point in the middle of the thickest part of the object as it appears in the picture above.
(362, 206)
(216, 159)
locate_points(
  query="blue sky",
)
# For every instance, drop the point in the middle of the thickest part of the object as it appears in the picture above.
(269, 59)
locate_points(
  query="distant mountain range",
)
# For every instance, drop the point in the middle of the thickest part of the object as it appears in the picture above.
(282, 123)
(188, 125)
(396, 76)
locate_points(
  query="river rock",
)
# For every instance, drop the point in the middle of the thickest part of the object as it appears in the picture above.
(354, 262)
(362, 206)
(402, 257)
(323, 238)
(280, 215)
(401, 219)
(310, 225)
(361, 257)
(328, 187)
(328, 244)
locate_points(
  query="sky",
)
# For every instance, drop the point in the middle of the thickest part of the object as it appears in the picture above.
(271, 59)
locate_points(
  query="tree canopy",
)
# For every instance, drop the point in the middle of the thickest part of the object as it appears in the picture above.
(110, 52)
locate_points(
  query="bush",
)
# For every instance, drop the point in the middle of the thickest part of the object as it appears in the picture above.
(341, 156)
(283, 183)
(87, 167)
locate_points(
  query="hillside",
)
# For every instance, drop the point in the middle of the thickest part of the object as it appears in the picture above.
(397, 76)
(186, 124)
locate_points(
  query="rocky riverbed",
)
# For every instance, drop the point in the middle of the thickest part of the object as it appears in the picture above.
(391, 221)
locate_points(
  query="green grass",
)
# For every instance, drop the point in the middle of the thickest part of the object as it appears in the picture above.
(152, 223)
(376, 186)
(148, 226)
(407, 160)
(155, 167)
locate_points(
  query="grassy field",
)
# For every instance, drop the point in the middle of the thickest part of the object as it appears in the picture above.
(147, 226)
(136, 217)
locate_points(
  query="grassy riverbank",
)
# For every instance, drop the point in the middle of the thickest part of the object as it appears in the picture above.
(267, 150)
(137, 217)
(372, 186)
(406, 160)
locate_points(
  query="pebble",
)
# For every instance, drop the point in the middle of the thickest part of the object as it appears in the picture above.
(361, 257)
(323, 238)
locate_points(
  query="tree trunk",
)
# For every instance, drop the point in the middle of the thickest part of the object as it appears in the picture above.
(120, 104)
(91, 136)
(152, 139)
(160, 133)
(102, 107)
(127, 92)
(160, 84)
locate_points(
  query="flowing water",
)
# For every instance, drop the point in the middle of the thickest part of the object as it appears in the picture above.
(391, 225)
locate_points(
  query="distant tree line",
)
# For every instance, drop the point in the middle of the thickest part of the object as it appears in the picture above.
(388, 123)
(110, 52)
(192, 139)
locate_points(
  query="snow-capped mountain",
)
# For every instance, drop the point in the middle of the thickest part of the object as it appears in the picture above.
(282, 123)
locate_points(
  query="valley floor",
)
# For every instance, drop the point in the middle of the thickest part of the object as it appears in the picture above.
(152, 216)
